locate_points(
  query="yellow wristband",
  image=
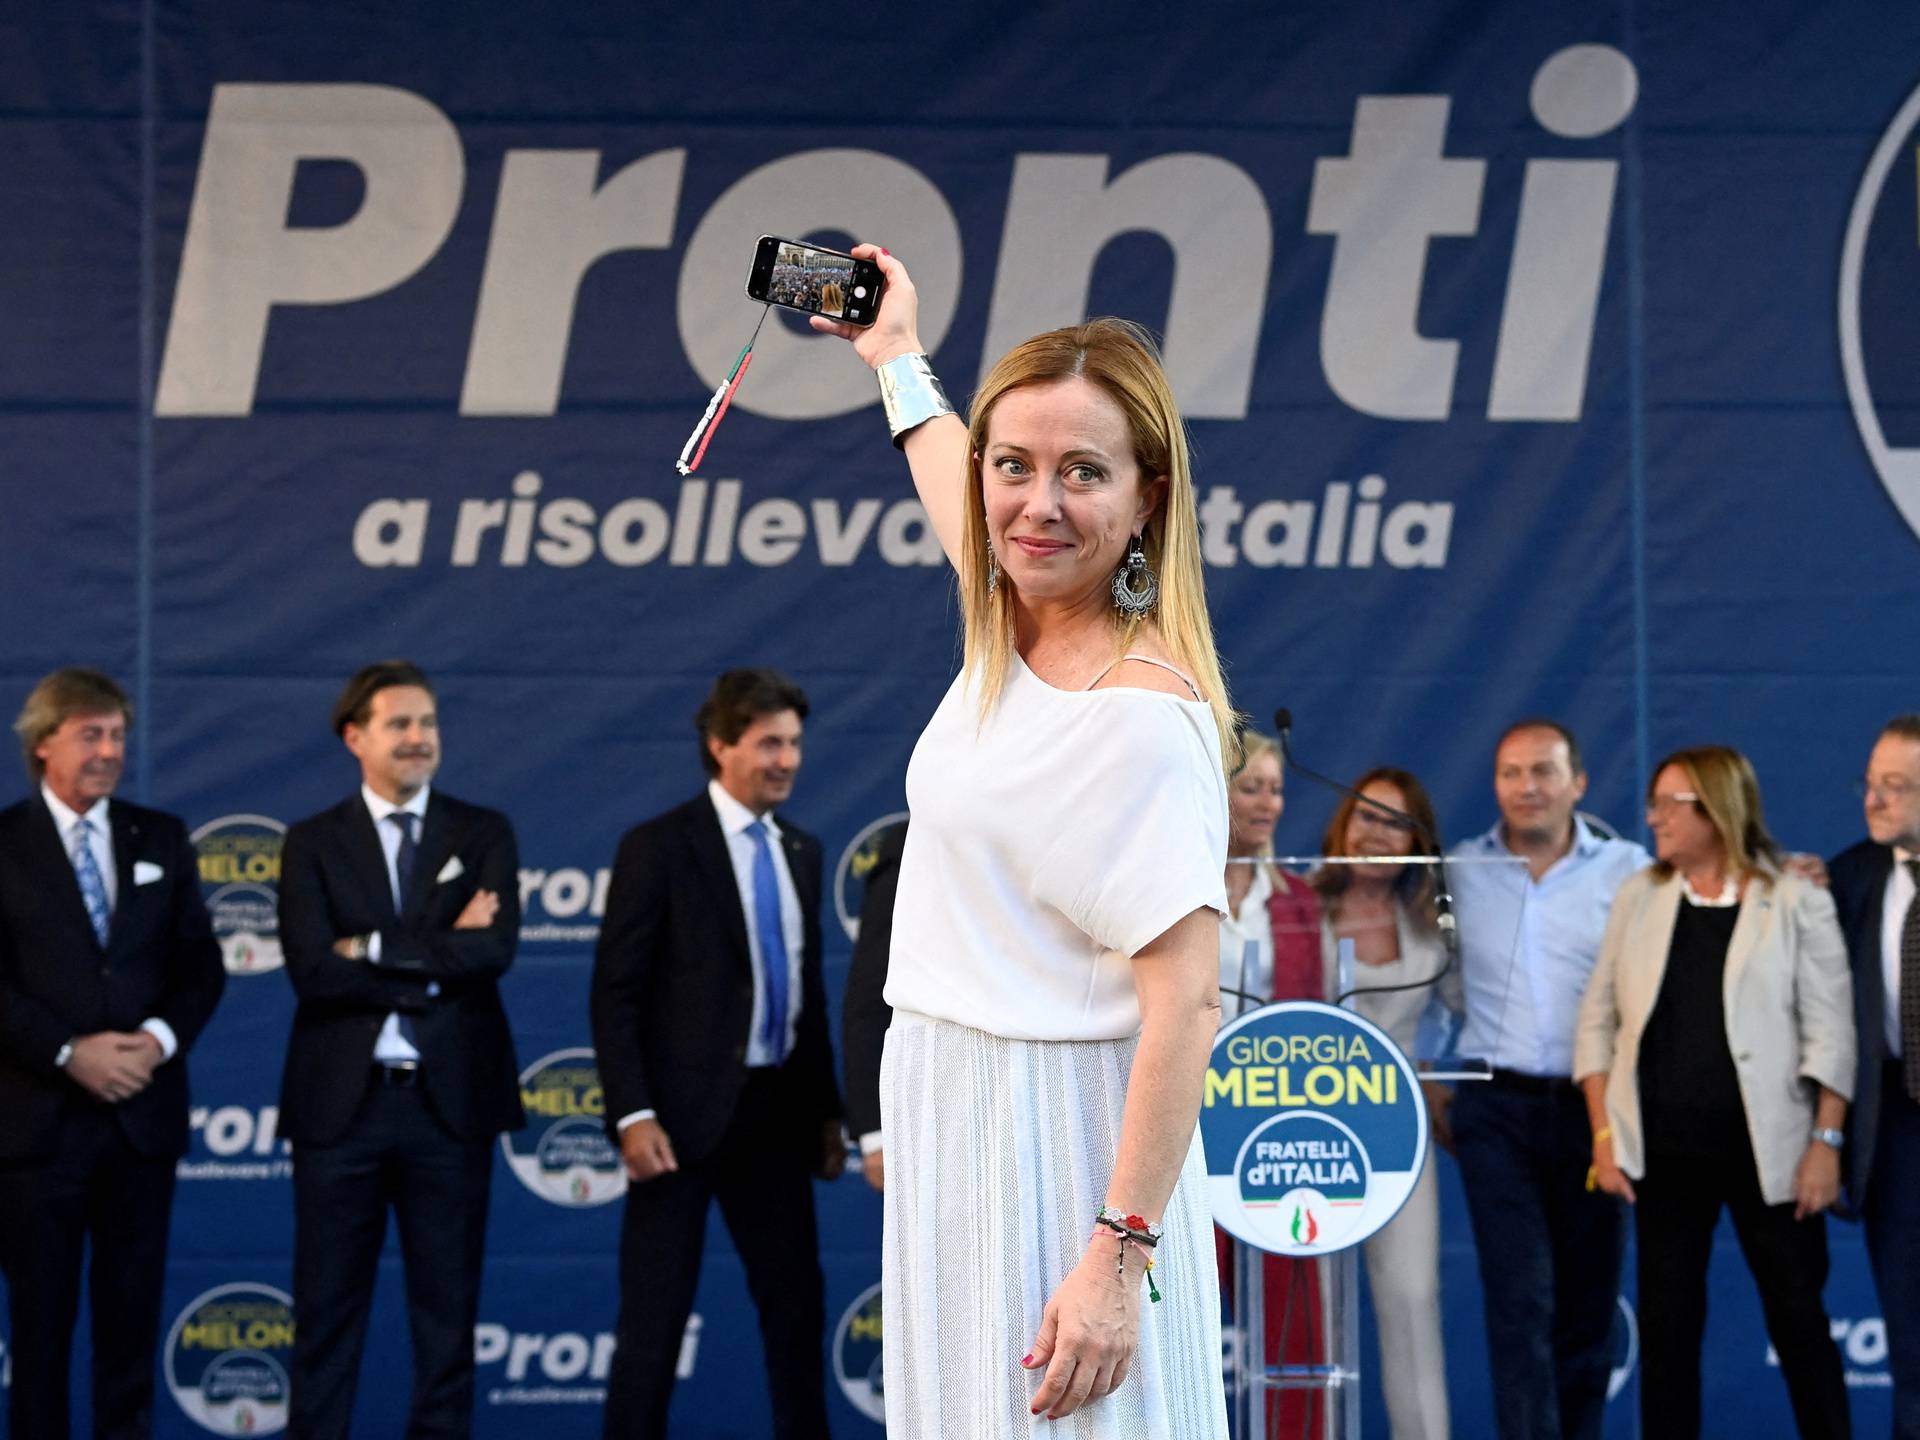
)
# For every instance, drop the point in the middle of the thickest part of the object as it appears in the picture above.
(1605, 1132)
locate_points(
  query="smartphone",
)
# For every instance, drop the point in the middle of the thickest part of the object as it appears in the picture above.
(815, 280)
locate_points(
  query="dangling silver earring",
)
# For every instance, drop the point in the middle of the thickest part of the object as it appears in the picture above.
(1136, 589)
(993, 569)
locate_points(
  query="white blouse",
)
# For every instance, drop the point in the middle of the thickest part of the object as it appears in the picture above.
(1049, 844)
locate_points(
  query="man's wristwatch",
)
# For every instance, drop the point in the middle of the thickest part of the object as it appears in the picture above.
(63, 1055)
(1829, 1136)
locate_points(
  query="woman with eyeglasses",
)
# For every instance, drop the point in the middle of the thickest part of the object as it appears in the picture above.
(1387, 912)
(1716, 1049)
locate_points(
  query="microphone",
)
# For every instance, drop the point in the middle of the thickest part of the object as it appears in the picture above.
(1443, 918)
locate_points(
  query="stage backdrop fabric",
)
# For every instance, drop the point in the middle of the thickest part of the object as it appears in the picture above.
(1539, 358)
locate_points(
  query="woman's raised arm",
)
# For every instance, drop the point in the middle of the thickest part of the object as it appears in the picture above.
(937, 450)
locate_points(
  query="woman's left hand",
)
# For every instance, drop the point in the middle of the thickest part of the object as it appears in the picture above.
(1087, 1334)
(1816, 1180)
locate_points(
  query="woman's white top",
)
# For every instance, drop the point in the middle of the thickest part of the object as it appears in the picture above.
(1246, 948)
(1050, 842)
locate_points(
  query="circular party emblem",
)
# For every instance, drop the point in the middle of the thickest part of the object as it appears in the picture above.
(1315, 1128)
(564, 1154)
(226, 1359)
(1880, 310)
(856, 1355)
(239, 860)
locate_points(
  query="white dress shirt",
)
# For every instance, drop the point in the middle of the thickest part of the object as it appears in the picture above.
(1893, 919)
(735, 820)
(390, 1047)
(100, 841)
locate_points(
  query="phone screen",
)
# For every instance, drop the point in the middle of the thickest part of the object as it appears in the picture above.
(819, 282)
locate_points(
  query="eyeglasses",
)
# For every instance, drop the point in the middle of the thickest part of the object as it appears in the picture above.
(1658, 805)
(1894, 790)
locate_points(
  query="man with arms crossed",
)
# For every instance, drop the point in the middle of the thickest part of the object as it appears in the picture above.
(108, 972)
(1879, 903)
(399, 909)
(710, 1026)
(1549, 1248)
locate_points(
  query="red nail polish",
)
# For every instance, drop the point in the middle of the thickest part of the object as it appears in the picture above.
(885, 251)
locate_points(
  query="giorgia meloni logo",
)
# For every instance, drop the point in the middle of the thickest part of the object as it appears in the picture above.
(1880, 310)
(239, 859)
(1315, 1128)
(563, 1154)
(226, 1359)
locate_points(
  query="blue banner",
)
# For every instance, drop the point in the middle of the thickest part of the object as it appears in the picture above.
(1538, 358)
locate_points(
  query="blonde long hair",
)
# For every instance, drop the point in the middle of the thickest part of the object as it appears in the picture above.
(1120, 358)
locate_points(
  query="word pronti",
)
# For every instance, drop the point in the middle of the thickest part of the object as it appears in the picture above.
(555, 216)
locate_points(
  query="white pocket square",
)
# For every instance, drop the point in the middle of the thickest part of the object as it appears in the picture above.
(145, 872)
(452, 870)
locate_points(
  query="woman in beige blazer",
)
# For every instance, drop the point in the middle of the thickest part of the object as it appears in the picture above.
(1716, 1049)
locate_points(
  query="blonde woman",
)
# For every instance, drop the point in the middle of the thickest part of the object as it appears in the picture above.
(1054, 966)
(1716, 1050)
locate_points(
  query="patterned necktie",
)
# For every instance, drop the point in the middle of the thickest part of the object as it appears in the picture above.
(1910, 989)
(93, 889)
(403, 860)
(773, 939)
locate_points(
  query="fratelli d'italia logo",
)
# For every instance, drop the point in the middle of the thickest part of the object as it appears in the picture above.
(1880, 310)
(563, 1154)
(1315, 1128)
(239, 858)
(226, 1359)
(856, 864)
(856, 1355)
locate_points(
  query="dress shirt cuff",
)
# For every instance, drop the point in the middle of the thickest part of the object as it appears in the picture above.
(373, 947)
(635, 1118)
(872, 1141)
(163, 1032)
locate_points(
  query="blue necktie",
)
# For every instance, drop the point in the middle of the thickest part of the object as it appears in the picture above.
(93, 889)
(773, 939)
(403, 873)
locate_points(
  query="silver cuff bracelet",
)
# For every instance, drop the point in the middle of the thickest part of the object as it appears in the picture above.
(910, 393)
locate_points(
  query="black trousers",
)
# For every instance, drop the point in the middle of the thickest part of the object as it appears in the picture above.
(95, 1189)
(395, 1155)
(1892, 1213)
(1679, 1205)
(761, 1178)
(1549, 1252)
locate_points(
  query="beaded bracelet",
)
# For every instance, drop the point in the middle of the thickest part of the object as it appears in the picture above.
(1133, 1227)
(1120, 1267)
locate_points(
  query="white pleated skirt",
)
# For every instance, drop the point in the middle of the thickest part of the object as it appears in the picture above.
(998, 1157)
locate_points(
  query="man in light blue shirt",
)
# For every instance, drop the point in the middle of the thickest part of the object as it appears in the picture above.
(1549, 1248)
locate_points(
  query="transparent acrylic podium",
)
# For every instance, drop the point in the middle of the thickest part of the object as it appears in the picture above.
(1293, 1324)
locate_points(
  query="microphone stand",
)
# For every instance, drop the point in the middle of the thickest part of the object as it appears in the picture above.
(1442, 894)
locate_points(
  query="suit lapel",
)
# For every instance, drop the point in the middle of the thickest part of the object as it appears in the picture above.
(708, 844)
(49, 850)
(1756, 912)
(800, 867)
(369, 861)
(432, 854)
(127, 841)
(1656, 938)
(1868, 974)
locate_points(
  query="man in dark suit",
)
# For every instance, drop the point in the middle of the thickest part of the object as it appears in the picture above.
(710, 1024)
(864, 1012)
(1875, 890)
(399, 909)
(108, 972)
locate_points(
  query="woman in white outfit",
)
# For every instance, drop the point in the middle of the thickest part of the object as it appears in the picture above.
(1387, 911)
(1054, 967)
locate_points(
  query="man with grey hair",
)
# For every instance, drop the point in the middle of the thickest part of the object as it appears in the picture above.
(108, 972)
